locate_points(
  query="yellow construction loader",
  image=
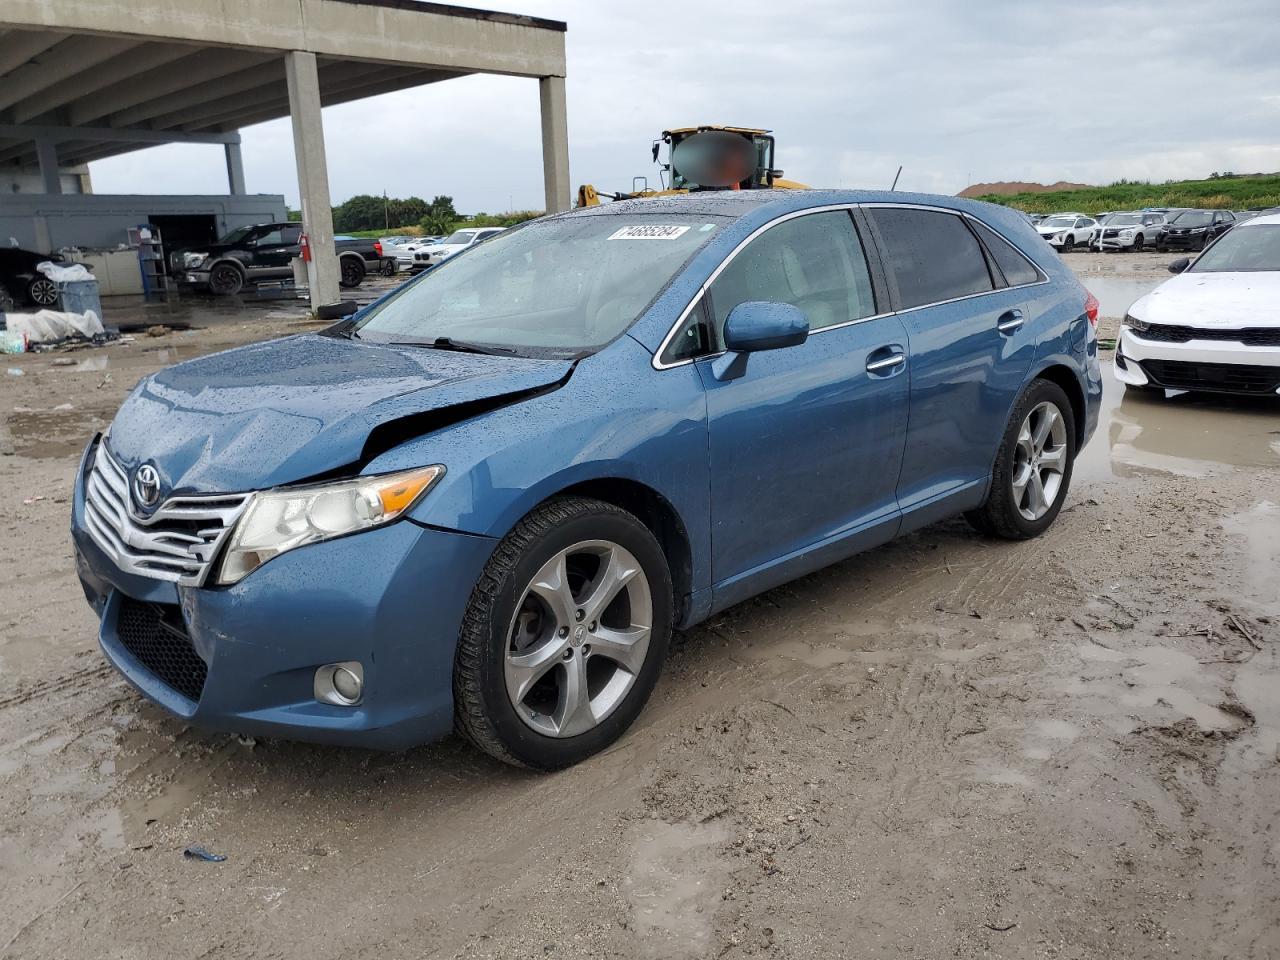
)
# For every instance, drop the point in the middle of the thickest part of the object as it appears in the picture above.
(705, 158)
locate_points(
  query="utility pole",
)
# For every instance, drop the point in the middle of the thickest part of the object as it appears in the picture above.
(386, 211)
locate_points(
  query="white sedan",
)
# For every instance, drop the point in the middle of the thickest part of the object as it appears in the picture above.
(1213, 327)
(456, 242)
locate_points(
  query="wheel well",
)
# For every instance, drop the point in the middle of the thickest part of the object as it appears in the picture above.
(653, 510)
(1064, 378)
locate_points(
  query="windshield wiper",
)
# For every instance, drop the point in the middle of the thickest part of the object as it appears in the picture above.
(446, 343)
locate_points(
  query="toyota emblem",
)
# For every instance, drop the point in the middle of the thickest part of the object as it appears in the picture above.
(146, 486)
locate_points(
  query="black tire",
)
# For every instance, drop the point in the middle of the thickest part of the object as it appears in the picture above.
(1138, 242)
(43, 292)
(483, 710)
(7, 303)
(352, 272)
(999, 515)
(1069, 243)
(225, 280)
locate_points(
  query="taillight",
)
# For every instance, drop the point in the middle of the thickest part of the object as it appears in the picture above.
(1091, 308)
(377, 249)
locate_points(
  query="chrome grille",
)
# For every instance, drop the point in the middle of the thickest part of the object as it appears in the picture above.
(177, 542)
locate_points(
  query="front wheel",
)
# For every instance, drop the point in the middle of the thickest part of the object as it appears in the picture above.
(564, 635)
(225, 280)
(1032, 471)
(1137, 243)
(43, 292)
(1068, 243)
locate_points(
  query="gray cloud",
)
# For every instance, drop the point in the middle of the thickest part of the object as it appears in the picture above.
(954, 91)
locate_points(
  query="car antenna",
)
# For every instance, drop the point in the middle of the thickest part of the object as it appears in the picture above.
(895, 179)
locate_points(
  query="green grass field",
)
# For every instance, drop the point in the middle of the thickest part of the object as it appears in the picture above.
(1233, 193)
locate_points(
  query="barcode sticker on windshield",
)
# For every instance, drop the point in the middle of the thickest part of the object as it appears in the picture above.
(648, 232)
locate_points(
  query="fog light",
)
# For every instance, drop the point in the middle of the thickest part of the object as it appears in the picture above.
(341, 684)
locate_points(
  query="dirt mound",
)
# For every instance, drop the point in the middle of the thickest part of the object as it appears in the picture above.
(1015, 186)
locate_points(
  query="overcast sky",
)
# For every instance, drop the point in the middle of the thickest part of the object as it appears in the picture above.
(957, 92)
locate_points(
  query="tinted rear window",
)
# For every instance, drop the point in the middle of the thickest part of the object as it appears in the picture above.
(933, 256)
(1013, 265)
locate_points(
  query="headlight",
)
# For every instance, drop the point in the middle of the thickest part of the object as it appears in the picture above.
(1136, 325)
(1126, 234)
(193, 260)
(1199, 229)
(276, 521)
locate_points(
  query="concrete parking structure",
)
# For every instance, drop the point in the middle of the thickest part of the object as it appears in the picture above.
(80, 81)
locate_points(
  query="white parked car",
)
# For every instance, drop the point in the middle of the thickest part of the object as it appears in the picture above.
(1128, 231)
(1066, 231)
(405, 251)
(1215, 326)
(456, 242)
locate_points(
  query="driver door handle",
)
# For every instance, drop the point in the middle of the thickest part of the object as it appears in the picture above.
(886, 360)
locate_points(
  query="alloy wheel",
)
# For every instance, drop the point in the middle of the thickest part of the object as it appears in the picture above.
(579, 638)
(1039, 460)
(44, 292)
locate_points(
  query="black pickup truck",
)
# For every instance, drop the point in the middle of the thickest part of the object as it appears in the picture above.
(264, 252)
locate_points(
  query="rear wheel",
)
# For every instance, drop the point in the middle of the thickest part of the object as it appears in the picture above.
(1033, 466)
(225, 280)
(43, 292)
(353, 272)
(564, 635)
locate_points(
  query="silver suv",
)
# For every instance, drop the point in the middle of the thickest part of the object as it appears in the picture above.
(1129, 231)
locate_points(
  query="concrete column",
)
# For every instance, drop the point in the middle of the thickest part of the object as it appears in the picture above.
(235, 169)
(555, 143)
(47, 153)
(313, 175)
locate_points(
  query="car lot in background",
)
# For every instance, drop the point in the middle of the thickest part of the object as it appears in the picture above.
(1194, 229)
(1215, 326)
(456, 242)
(1066, 231)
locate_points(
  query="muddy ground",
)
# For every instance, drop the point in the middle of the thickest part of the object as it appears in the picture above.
(947, 747)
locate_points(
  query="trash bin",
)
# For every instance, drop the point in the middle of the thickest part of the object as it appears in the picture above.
(79, 296)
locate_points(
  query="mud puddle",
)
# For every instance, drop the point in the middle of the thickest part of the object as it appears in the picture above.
(1116, 294)
(674, 885)
(1189, 435)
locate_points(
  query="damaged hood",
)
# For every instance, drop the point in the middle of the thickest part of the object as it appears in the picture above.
(286, 410)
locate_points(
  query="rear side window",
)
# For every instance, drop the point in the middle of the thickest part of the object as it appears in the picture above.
(1015, 267)
(814, 262)
(933, 256)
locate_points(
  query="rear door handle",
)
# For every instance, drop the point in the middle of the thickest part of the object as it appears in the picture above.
(886, 360)
(1010, 321)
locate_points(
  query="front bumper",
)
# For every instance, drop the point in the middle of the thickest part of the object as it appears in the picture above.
(1184, 241)
(1212, 366)
(192, 278)
(392, 598)
(1114, 243)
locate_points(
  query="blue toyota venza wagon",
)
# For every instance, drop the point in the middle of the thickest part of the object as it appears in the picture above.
(484, 502)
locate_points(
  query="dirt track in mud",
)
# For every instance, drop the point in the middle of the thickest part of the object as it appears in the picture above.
(947, 747)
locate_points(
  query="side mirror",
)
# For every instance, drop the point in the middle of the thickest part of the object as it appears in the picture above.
(1179, 265)
(756, 325)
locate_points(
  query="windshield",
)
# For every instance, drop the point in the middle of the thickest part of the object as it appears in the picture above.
(1192, 219)
(1124, 220)
(238, 235)
(460, 236)
(561, 287)
(1243, 250)
(1058, 222)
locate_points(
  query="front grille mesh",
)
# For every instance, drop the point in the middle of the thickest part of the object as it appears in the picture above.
(1249, 336)
(177, 542)
(1231, 377)
(156, 636)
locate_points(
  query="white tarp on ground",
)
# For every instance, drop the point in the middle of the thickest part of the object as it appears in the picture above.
(50, 326)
